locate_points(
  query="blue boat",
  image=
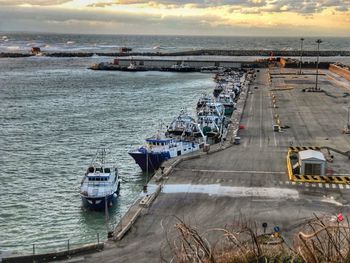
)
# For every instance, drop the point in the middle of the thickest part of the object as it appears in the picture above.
(159, 149)
(101, 185)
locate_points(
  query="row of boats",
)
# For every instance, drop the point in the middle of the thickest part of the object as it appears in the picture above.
(185, 134)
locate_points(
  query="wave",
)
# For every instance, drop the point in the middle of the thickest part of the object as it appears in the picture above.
(13, 47)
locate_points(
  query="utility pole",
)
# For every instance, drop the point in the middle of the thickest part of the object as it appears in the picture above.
(301, 54)
(318, 41)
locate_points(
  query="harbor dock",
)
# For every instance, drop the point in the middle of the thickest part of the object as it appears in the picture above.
(249, 180)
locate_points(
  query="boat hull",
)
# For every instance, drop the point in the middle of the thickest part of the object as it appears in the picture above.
(99, 203)
(154, 160)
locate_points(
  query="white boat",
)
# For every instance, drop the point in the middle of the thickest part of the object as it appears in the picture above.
(226, 100)
(182, 67)
(159, 149)
(211, 120)
(183, 125)
(203, 100)
(100, 185)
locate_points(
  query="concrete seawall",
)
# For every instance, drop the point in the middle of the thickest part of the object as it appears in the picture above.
(345, 73)
(47, 257)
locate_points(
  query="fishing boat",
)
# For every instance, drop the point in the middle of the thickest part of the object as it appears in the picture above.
(214, 107)
(218, 89)
(160, 148)
(226, 100)
(182, 67)
(183, 125)
(203, 100)
(211, 121)
(100, 185)
(134, 67)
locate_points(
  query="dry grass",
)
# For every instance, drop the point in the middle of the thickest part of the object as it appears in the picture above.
(318, 240)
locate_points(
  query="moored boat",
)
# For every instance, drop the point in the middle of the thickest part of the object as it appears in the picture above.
(211, 120)
(182, 67)
(218, 89)
(203, 100)
(183, 125)
(100, 185)
(227, 101)
(159, 149)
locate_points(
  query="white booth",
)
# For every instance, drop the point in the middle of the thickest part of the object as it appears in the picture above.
(312, 162)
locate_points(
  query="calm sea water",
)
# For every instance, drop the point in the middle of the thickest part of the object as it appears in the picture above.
(54, 114)
(111, 43)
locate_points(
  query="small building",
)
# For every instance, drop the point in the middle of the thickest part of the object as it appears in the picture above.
(312, 162)
(36, 50)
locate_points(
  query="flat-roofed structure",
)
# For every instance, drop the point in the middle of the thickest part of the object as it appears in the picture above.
(312, 162)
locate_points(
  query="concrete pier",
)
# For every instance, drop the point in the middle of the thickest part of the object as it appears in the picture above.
(249, 180)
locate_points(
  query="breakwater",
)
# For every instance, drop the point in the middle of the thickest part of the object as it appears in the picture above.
(204, 52)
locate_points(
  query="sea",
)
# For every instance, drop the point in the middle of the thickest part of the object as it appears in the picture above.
(17, 42)
(55, 114)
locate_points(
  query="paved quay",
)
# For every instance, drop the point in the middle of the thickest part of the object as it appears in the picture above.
(250, 180)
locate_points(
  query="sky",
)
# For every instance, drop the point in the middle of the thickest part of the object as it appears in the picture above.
(179, 17)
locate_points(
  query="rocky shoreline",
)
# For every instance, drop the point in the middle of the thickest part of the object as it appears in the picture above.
(278, 53)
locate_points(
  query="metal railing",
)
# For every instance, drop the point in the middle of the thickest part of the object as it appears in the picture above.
(60, 245)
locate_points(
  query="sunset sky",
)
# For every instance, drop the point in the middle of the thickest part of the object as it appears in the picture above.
(180, 17)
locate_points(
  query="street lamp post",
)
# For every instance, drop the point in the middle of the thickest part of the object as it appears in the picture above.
(348, 118)
(301, 54)
(318, 41)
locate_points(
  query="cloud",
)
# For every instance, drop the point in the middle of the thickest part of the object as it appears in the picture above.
(90, 21)
(191, 17)
(32, 2)
(245, 6)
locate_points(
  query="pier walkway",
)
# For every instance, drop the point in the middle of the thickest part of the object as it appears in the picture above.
(250, 180)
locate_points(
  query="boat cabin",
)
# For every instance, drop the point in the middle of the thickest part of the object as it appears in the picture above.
(159, 142)
(98, 178)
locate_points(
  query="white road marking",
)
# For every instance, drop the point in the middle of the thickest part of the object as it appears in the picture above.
(320, 185)
(327, 185)
(233, 191)
(313, 185)
(293, 183)
(334, 186)
(218, 180)
(230, 171)
(281, 182)
(341, 186)
(347, 186)
(287, 182)
(261, 114)
(274, 136)
(250, 111)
